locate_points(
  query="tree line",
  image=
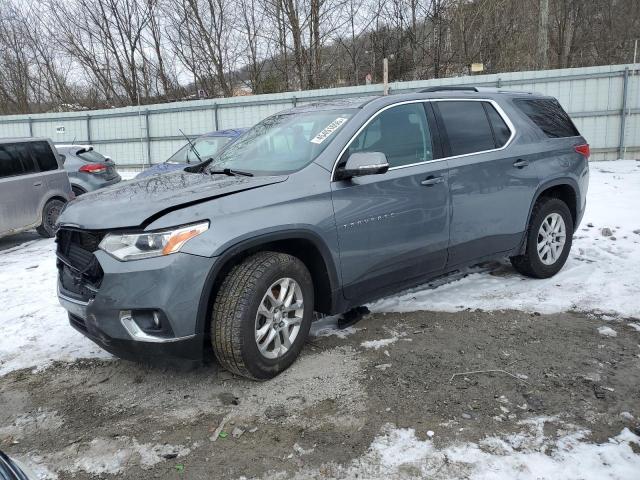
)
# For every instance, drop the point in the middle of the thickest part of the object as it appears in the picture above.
(82, 54)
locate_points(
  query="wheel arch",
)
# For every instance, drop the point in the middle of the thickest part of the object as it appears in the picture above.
(303, 244)
(566, 189)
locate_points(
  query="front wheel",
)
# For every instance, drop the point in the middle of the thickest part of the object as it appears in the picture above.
(262, 314)
(549, 239)
(50, 214)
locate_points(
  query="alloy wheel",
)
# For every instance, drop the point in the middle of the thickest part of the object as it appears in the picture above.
(552, 236)
(279, 318)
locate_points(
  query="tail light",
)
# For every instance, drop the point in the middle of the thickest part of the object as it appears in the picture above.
(93, 168)
(583, 150)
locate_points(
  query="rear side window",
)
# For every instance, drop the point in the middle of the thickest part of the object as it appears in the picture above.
(501, 132)
(549, 116)
(15, 160)
(44, 156)
(467, 126)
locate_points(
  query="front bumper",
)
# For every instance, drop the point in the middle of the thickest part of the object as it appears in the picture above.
(171, 285)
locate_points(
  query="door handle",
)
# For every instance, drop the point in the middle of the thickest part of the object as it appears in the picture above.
(37, 184)
(521, 164)
(430, 181)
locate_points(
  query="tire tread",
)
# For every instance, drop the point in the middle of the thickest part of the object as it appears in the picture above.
(231, 304)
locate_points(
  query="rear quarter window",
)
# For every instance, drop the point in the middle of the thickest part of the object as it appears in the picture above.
(44, 156)
(549, 116)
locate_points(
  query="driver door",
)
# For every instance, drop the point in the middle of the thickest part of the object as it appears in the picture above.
(393, 228)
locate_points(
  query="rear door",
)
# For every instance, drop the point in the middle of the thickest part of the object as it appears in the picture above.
(491, 183)
(393, 227)
(21, 187)
(53, 176)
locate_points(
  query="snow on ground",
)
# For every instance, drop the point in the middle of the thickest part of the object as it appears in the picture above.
(601, 275)
(35, 329)
(398, 453)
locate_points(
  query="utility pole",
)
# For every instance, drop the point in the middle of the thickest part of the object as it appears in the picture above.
(385, 75)
(543, 35)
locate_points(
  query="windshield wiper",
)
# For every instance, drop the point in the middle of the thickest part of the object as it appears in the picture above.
(202, 167)
(191, 147)
(230, 172)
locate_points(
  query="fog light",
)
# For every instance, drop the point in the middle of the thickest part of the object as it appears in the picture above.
(146, 325)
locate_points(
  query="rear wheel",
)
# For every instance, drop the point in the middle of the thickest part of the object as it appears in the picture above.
(262, 315)
(549, 239)
(50, 214)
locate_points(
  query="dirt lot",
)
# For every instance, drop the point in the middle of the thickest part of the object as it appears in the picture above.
(320, 418)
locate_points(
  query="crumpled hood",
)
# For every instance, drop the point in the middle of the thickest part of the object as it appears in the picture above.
(131, 203)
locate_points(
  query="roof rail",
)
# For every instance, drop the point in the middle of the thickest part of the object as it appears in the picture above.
(445, 88)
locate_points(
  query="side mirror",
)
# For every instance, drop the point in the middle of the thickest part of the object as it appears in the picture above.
(363, 163)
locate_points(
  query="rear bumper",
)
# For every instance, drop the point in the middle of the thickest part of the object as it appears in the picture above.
(90, 183)
(171, 286)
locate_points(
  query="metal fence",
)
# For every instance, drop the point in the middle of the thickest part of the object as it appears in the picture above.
(603, 101)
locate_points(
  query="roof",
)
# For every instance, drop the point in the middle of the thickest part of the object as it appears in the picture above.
(23, 139)
(337, 104)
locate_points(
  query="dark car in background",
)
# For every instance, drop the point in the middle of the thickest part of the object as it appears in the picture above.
(321, 208)
(88, 170)
(203, 147)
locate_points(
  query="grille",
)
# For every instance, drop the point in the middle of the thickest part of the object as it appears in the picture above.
(77, 322)
(79, 271)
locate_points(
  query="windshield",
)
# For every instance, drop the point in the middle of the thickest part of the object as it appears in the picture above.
(283, 143)
(206, 146)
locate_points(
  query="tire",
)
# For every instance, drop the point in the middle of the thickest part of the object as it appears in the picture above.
(77, 191)
(235, 321)
(50, 214)
(546, 264)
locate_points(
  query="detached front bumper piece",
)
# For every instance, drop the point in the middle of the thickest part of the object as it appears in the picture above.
(140, 310)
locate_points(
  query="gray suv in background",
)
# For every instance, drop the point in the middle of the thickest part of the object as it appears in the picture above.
(88, 170)
(320, 208)
(34, 186)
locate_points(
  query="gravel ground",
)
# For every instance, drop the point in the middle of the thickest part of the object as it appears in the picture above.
(323, 416)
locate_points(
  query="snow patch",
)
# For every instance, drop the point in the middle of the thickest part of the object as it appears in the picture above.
(607, 331)
(102, 456)
(398, 453)
(377, 344)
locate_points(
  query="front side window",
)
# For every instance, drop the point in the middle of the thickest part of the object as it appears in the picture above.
(15, 160)
(283, 143)
(467, 126)
(400, 132)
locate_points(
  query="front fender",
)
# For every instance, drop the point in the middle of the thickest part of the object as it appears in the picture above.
(233, 249)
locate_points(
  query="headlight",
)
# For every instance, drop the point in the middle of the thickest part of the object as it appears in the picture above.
(133, 246)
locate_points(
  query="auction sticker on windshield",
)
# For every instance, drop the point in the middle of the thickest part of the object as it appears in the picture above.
(328, 130)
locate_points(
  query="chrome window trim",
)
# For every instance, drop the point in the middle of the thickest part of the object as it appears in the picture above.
(495, 104)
